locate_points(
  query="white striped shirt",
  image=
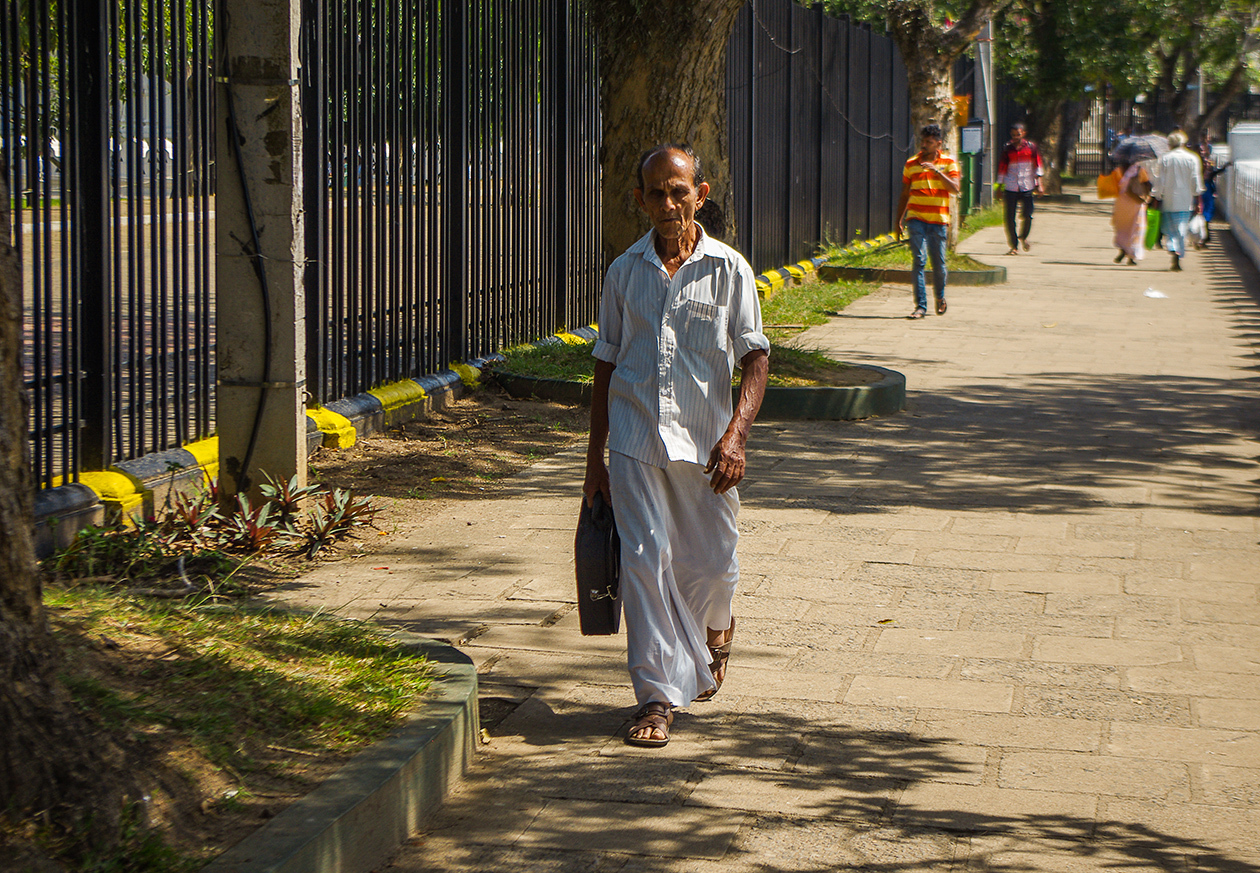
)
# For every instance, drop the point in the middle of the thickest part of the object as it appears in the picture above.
(675, 343)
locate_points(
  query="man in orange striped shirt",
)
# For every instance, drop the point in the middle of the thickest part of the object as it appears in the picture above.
(928, 180)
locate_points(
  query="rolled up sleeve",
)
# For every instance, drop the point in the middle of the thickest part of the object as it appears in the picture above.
(745, 315)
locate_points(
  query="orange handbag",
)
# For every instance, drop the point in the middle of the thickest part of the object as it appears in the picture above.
(1109, 185)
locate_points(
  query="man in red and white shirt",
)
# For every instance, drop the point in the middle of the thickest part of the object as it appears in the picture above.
(1020, 170)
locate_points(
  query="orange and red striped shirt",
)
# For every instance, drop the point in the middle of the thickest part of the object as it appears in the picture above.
(929, 199)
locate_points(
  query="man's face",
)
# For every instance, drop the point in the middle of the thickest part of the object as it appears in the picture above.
(1017, 135)
(669, 196)
(930, 146)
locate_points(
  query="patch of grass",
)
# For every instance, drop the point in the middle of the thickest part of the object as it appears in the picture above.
(898, 257)
(790, 310)
(790, 365)
(989, 216)
(794, 366)
(233, 682)
(794, 308)
(564, 361)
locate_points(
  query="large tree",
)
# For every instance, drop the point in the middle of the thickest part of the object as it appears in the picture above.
(662, 68)
(931, 35)
(1208, 43)
(930, 42)
(53, 766)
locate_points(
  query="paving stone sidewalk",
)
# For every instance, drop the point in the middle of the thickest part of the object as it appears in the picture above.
(1013, 628)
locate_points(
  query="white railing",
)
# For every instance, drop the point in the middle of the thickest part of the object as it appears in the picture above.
(1242, 201)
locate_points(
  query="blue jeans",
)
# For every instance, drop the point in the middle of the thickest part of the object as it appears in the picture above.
(1173, 226)
(928, 239)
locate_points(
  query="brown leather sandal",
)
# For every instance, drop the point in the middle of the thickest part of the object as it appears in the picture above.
(651, 717)
(720, 655)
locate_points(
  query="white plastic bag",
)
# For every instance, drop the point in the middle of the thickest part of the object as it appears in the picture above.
(1196, 231)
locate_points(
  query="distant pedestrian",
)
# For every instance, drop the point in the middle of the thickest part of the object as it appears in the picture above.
(1178, 185)
(928, 180)
(1128, 213)
(1208, 198)
(679, 310)
(1020, 168)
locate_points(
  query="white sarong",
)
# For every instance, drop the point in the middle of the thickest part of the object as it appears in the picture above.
(678, 573)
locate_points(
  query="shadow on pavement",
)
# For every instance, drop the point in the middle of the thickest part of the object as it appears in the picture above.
(1061, 442)
(558, 788)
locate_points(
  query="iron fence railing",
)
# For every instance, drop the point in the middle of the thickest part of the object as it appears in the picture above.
(106, 116)
(819, 128)
(453, 207)
(452, 201)
(452, 189)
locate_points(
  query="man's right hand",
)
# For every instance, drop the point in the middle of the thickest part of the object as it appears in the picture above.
(596, 480)
(900, 230)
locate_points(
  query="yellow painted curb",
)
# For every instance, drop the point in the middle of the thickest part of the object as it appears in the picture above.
(207, 454)
(337, 429)
(398, 394)
(116, 489)
(571, 338)
(468, 374)
(795, 272)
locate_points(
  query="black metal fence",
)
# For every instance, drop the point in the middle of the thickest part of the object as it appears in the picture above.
(454, 206)
(452, 199)
(107, 117)
(819, 129)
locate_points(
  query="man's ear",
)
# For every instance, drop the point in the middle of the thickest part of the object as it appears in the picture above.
(638, 196)
(702, 193)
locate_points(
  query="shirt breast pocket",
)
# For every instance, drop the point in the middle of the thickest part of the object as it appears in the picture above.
(702, 326)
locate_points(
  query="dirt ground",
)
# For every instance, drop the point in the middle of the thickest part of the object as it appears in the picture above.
(465, 450)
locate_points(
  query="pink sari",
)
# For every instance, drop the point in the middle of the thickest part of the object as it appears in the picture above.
(1128, 216)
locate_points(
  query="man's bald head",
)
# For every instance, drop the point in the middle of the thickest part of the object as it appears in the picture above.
(682, 149)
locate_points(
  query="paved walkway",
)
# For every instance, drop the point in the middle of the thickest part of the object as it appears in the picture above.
(1013, 628)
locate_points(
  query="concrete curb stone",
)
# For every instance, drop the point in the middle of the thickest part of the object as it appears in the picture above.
(359, 816)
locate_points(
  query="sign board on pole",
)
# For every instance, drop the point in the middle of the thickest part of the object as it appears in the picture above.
(972, 142)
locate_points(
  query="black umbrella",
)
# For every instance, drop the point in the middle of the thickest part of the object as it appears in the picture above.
(1140, 148)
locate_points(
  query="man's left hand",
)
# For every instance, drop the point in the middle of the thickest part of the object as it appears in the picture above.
(726, 463)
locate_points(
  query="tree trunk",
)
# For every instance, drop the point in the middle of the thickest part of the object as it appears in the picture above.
(663, 66)
(928, 53)
(1224, 96)
(931, 86)
(1045, 128)
(51, 763)
(929, 58)
(1074, 113)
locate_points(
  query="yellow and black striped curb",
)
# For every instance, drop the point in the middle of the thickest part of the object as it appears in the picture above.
(135, 488)
(769, 282)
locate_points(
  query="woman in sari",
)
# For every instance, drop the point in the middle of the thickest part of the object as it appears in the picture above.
(1128, 214)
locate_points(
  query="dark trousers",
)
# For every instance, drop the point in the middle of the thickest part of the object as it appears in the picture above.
(1016, 199)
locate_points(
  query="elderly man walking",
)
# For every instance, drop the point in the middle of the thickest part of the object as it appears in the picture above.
(678, 310)
(1178, 184)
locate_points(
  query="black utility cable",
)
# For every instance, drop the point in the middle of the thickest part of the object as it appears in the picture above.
(241, 477)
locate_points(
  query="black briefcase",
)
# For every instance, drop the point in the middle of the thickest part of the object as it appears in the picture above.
(597, 559)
